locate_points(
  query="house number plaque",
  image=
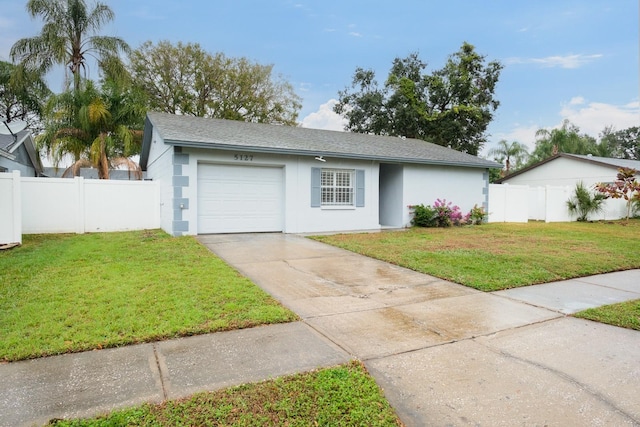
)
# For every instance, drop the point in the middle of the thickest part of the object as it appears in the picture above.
(243, 157)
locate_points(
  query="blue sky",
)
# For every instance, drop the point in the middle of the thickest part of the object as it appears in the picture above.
(563, 59)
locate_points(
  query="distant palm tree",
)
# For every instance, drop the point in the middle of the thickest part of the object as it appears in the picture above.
(565, 139)
(68, 37)
(513, 154)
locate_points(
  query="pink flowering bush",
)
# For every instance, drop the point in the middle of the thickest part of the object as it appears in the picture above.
(444, 214)
(447, 213)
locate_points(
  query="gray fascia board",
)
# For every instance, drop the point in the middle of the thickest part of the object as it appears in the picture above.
(7, 155)
(146, 142)
(230, 147)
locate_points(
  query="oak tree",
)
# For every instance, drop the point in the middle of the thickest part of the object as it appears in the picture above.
(185, 79)
(452, 106)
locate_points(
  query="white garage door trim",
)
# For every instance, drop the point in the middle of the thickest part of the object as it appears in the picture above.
(240, 199)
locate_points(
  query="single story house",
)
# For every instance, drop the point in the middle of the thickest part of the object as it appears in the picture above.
(18, 152)
(223, 176)
(560, 174)
(565, 169)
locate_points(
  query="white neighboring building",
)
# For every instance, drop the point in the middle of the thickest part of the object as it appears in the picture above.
(567, 170)
(222, 176)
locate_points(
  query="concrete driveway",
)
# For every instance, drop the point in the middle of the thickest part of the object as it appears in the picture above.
(449, 355)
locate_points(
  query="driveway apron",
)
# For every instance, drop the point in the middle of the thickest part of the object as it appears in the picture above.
(445, 354)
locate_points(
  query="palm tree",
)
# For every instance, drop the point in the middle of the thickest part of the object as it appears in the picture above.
(583, 203)
(98, 128)
(566, 139)
(513, 154)
(68, 37)
(63, 135)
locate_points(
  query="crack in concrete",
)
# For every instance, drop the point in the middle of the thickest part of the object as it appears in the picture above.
(529, 303)
(457, 340)
(605, 286)
(566, 377)
(160, 373)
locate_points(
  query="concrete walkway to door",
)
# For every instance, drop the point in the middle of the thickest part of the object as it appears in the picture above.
(445, 354)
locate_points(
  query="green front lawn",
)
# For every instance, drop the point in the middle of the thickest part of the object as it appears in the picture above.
(490, 257)
(68, 293)
(341, 396)
(624, 314)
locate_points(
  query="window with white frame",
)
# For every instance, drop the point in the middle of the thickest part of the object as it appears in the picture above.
(337, 187)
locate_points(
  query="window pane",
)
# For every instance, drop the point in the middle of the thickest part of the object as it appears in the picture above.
(327, 178)
(337, 187)
(327, 196)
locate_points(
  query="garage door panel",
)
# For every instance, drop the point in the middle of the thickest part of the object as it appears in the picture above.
(240, 199)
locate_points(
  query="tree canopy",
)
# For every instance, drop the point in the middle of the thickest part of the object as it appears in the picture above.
(565, 139)
(623, 144)
(185, 79)
(22, 94)
(452, 106)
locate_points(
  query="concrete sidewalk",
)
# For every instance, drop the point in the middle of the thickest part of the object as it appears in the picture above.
(444, 354)
(94, 382)
(448, 355)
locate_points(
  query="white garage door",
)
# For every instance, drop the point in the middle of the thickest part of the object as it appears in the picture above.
(237, 199)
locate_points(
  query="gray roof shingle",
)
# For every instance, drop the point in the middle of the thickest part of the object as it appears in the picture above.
(189, 131)
(617, 163)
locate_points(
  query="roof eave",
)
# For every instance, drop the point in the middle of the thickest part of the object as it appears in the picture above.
(147, 134)
(7, 155)
(297, 152)
(556, 156)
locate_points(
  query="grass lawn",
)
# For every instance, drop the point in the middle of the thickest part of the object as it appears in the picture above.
(341, 396)
(624, 314)
(495, 256)
(68, 293)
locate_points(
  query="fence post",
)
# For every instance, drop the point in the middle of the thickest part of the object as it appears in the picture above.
(17, 208)
(81, 221)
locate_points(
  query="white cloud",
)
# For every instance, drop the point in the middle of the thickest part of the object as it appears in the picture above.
(577, 100)
(593, 117)
(355, 34)
(325, 118)
(566, 61)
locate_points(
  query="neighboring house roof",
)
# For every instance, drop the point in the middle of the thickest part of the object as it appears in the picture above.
(189, 131)
(10, 144)
(615, 164)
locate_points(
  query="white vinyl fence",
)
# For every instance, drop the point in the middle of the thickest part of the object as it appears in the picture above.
(10, 214)
(78, 205)
(521, 203)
